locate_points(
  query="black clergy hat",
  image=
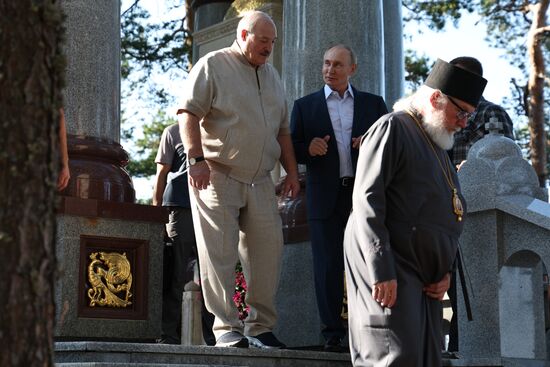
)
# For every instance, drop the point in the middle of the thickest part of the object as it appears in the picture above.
(456, 82)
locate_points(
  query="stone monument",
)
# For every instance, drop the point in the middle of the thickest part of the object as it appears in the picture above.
(373, 29)
(206, 14)
(215, 35)
(394, 63)
(506, 249)
(109, 249)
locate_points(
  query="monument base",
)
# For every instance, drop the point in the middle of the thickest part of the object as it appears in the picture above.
(96, 354)
(191, 319)
(110, 261)
(298, 322)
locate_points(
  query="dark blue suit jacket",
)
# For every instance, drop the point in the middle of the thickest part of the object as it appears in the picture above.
(310, 119)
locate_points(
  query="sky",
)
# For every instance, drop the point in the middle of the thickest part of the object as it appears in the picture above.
(468, 39)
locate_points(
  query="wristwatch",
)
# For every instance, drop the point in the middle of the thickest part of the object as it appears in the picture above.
(192, 161)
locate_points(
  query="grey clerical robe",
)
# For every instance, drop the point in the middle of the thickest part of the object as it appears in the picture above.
(402, 227)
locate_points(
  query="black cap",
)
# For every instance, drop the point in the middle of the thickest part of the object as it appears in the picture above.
(456, 82)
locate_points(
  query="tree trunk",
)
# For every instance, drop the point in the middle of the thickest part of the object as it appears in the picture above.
(535, 88)
(190, 22)
(31, 66)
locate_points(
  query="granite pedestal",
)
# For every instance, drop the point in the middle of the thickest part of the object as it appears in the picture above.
(298, 322)
(505, 247)
(95, 236)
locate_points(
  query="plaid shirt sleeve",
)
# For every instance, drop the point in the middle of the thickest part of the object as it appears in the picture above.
(476, 129)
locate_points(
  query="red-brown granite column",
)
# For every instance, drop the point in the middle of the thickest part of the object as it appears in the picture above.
(92, 102)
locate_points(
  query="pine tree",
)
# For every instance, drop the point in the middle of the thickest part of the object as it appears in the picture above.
(31, 69)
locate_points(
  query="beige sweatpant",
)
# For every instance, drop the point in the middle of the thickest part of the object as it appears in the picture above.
(233, 219)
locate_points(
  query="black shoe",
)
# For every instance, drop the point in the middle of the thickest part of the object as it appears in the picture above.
(334, 345)
(265, 341)
(232, 339)
(167, 340)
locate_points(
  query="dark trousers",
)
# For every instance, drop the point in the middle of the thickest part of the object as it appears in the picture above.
(327, 237)
(453, 328)
(177, 273)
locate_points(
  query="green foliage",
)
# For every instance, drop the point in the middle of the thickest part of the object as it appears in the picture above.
(143, 165)
(522, 138)
(150, 50)
(508, 23)
(145, 201)
(436, 13)
(417, 69)
(145, 45)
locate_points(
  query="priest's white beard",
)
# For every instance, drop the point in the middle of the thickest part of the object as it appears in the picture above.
(434, 125)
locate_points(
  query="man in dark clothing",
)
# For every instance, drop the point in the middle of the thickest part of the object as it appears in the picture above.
(402, 236)
(475, 129)
(326, 129)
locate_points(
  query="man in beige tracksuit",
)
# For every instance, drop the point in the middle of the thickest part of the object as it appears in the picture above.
(234, 123)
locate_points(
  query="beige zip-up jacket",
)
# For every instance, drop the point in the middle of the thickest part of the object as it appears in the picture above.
(242, 110)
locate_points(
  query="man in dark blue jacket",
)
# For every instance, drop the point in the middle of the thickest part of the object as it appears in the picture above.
(326, 130)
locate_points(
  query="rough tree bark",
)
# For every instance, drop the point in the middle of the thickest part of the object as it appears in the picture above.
(535, 88)
(190, 26)
(31, 66)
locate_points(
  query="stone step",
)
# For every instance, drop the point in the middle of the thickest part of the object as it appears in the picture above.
(109, 364)
(111, 354)
(103, 354)
(473, 362)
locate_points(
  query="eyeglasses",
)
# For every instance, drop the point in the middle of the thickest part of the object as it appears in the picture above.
(461, 114)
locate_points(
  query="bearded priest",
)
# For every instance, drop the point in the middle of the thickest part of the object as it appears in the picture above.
(401, 239)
